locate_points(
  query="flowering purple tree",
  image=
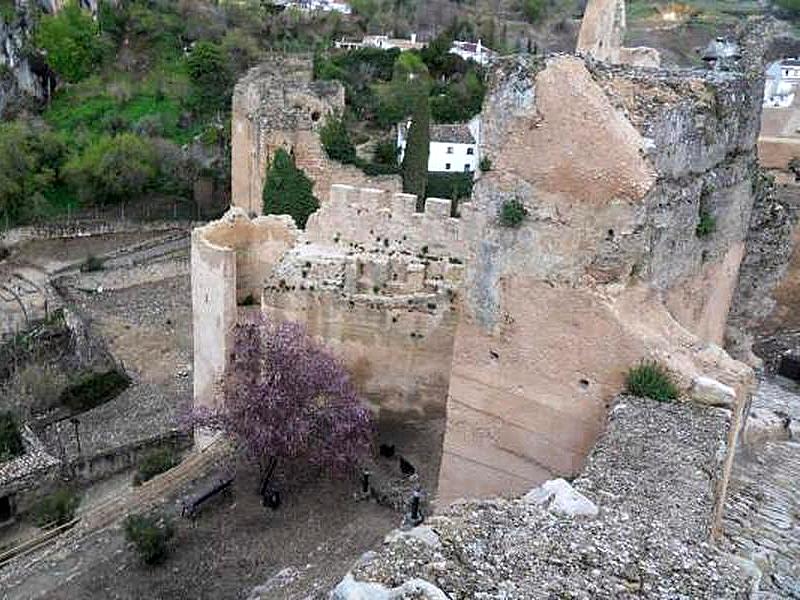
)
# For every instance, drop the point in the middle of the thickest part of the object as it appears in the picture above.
(287, 398)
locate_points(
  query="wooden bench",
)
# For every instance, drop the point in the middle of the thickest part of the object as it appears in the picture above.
(190, 506)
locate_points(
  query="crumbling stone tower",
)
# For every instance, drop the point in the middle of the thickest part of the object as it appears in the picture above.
(279, 105)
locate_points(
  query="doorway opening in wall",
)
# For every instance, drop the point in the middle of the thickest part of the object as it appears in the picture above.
(6, 509)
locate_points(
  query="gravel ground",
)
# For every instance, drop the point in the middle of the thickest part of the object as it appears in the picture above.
(651, 475)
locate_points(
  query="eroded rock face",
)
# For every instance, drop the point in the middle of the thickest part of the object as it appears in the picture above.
(615, 169)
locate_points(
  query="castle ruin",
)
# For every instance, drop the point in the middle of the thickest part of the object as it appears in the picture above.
(519, 335)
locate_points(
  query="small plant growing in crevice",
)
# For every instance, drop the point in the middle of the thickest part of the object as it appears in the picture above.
(485, 164)
(150, 536)
(248, 300)
(512, 213)
(57, 508)
(650, 379)
(706, 225)
(154, 463)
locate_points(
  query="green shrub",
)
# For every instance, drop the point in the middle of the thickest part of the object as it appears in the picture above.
(212, 81)
(150, 536)
(72, 41)
(450, 186)
(650, 379)
(336, 141)
(288, 190)
(92, 263)
(790, 6)
(113, 168)
(512, 213)
(248, 300)
(533, 9)
(706, 225)
(94, 390)
(57, 508)
(415, 159)
(11, 444)
(485, 164)
(154, 463)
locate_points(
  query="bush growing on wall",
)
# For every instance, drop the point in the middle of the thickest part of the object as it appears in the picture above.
(512, 213)
(11, 444)
(336, 141)
(288, 190)
(650, 379)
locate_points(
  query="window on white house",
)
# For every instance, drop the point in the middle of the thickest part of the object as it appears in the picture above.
(449, 149)
(447, 166)
(470, 151)
(467, 168)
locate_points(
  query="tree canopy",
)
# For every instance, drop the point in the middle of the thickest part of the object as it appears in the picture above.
(286, 398)
(288, 190)
(72, 41)
(113, 168)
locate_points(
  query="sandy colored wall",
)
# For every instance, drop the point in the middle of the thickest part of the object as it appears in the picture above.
(277, 105)
(399, 355)
(230, 259)
(606, 270)
(776, 152)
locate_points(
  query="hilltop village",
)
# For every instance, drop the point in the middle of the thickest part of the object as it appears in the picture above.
(355, 300)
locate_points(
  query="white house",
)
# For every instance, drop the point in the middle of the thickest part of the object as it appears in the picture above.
(783, 77)
(473, 51)
(383, 42)
(453, 148)
(315, 5)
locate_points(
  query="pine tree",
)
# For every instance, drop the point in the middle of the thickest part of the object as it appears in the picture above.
(415, 160)
(288, 190)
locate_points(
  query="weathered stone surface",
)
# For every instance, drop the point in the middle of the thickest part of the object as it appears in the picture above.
(277, 104)
(560, 497)
(603, 32)
(350, 589)
(423, 533)
(607, 268)
(653, 472)
(762, 512)
(707, 390)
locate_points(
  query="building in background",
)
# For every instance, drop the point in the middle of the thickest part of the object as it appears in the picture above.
(454, 148)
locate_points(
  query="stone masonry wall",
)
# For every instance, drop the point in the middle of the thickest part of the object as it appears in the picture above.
(277, 104)
(230, 260)
(615, 167)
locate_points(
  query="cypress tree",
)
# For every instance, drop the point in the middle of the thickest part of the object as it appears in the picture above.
(288, 190)
(415, 160)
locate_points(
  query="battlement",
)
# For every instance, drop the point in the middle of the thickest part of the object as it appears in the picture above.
(372, 218)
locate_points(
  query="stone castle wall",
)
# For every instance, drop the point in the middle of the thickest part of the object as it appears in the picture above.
(527, 332)
(278, 105)
(230, 259)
